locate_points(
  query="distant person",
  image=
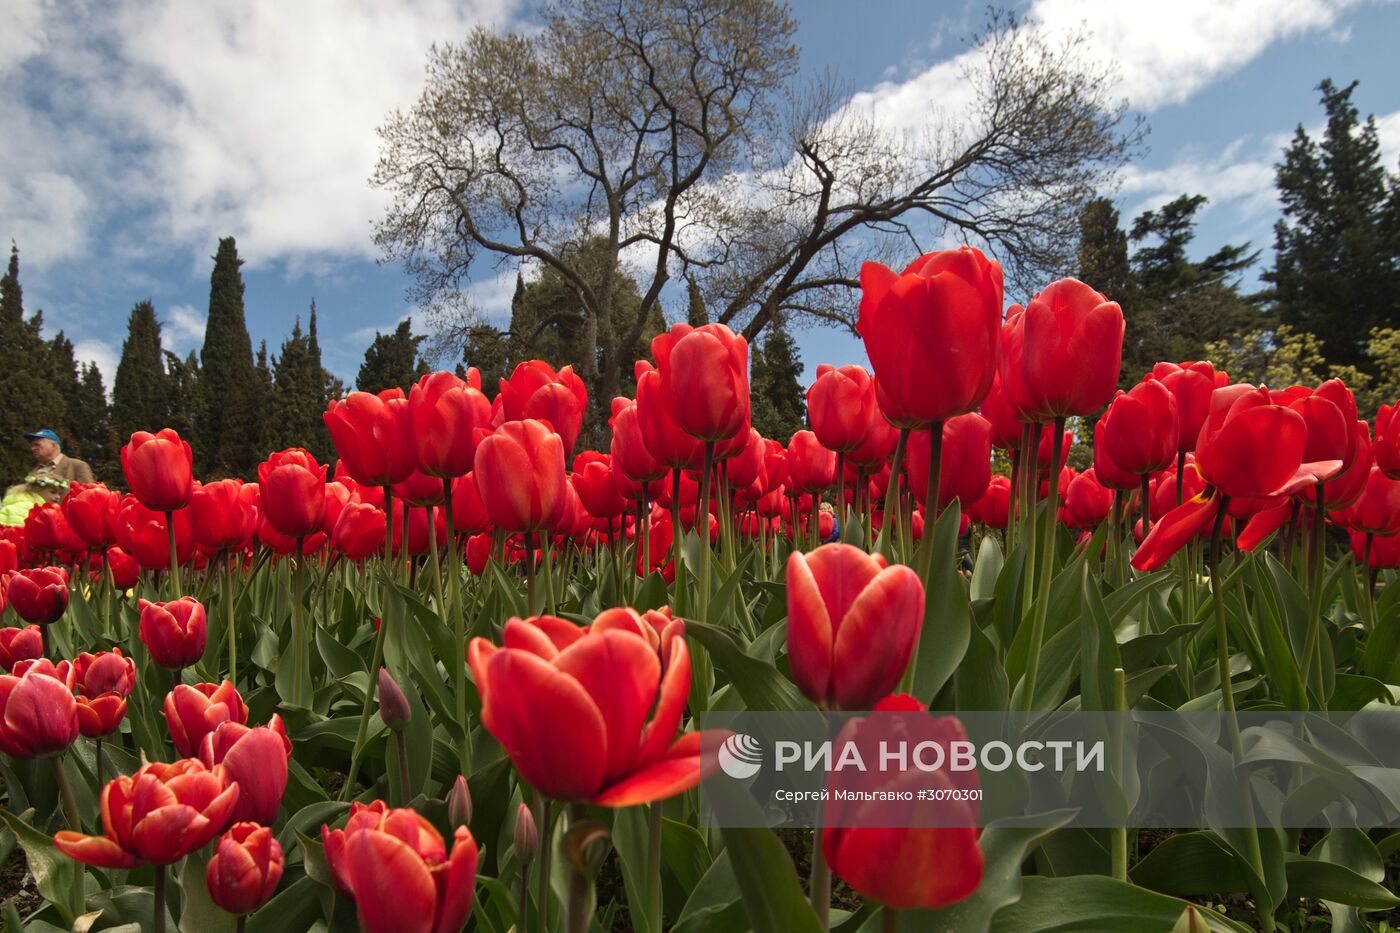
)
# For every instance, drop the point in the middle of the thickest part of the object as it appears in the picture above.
(827, 517)
(50, 478)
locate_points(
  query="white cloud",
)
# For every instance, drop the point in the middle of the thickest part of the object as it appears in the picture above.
(100, 352)
(255, 119)
(1165, 53)
(183, 328)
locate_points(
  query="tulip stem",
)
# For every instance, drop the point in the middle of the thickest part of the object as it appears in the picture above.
(841, 488)
(159, 901)
(101, 766)
(229, 615)
(1118, 836)
(1227, 701)
(546, 831)
(579, 884)
(363, 730)
(241, 924)
(889, 919)
(702, 528)
(935, 471)
(459, 636)
(547, 567)
(65, 792)
(654, 863)
(1310, 646)
(400, 755)
(677, 563)
(1027, 520)
(892, 495)
(819, 886)
(532, 600)
(1115, 538)
(174, 555)
(1047, 568)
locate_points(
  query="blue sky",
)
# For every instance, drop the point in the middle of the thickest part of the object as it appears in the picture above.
(135, 134)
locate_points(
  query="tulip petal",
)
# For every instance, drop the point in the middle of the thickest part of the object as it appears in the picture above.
(564, 753)
(680, 770)
(809, 635)
(393, 891)
(1264, 523)
(457, 887)
(877, 638)
(620, 672)
(97, 851)
(670, 706)
(1176, 528)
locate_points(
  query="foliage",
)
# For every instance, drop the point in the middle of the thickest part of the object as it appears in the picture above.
(32, 399)
(300, 389)
(228, 415)
(392, 360)
(778, 398)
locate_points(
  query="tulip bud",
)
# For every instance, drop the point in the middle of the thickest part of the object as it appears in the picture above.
(393, 705)
(527, 837)
(459, 803)
(1190, 922)
(245, 869)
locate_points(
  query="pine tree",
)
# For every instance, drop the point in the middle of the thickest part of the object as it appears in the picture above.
(695, 311)
(182, 377)
(298, 399)
(227, 426)
(140, 389)
(487, 350)
(32, 401)
(64, 376)
(90, 423)
(1337, 246)
(392, 360)
(1103, 251)
(775, 386)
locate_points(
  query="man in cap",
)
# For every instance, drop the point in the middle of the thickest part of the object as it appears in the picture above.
(53, 471)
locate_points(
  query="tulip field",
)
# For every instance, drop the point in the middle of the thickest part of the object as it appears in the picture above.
(458, 679)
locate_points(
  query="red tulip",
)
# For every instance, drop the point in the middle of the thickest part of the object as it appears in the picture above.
(293, 489)
(1005, 420)
(396, 867)
(905, 866)
(478, 553)
(223, 519)
(661, 432)
(245, 869)
(706, 374)
(1139, 431)
(1377, 510)
(38, 713)
(175, 633)
(125, 570)
(993, 509)
(39, 596)
(878, 445)
(141, 533)
(1346, 487)
(592, 479)
(520, 475)
(841, 406)
(421, 490)
(1108, 471)
(745, 467)
(1330, 415)
(90, 509)
(47, 529)
(191, 713)
(1387, 448)
(596, 744)
(160, 814)
(932, 333)
(630, 455)
(1087, 502)
(255, 758)
(1385, 551)
(10, 551)
(536, 392)
(1072, 350)
(449, 417)
(159, 469)
(965, 465)
(102, 682)
(853, 624)
(371, 434)
(468, 511)
(338, 496)
(1191, 384)
(810, 465)
(20, 644)
(359, 532)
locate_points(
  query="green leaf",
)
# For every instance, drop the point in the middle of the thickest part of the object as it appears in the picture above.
(947, 627)
(1005, 845)
(295, 909)
(980, 682)
(1096, 904)
(986, 570)
(630, 838)
(55, 875)
(199, 913)
(760, 684)
(1328, 881)
(715, 906)
(772, 896)
(1195, 864)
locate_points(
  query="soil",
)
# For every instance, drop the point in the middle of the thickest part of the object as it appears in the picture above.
(17, 884)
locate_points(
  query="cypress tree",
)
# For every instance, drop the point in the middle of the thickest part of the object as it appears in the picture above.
(31, 399)
(89, 421)
(140, 389)
(228, 416)
(695, 312)
(775, 386)
(299, 393)
(182, 408)
(64, 377)
(487, 350)
(1337, 246)
(392, 361)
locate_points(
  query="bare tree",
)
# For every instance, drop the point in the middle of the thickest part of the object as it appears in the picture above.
(667, 130)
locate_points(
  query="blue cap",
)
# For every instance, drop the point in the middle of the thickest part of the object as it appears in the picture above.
(47, 434)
